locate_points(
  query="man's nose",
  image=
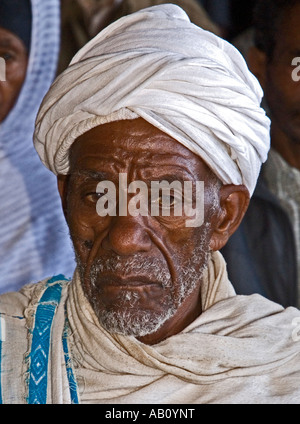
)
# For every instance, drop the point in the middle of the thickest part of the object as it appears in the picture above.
(127, 235)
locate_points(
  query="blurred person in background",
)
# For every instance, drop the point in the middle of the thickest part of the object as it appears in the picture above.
(33, 234)
(265, 250)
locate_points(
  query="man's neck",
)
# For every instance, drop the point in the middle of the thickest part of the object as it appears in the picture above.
(287, 148)
(179, 321)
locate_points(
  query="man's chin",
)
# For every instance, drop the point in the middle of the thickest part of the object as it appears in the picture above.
(132, 321)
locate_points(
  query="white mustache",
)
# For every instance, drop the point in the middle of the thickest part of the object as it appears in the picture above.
(153, 268)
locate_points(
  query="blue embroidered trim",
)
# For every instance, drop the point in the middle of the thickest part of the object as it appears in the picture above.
(0, 373)
(70, 373)
(1, 400)
(40, 345)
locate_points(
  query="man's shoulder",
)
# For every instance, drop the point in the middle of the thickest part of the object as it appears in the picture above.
(15, 304)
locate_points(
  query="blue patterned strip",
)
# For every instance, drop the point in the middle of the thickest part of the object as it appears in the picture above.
(70, 373)
(40, 345)
(1, 330)
(0, 373)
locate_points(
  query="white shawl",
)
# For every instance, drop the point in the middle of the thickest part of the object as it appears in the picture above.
(238, 350)
(241, 349)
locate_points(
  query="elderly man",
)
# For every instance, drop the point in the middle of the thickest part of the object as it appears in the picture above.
(150, 315)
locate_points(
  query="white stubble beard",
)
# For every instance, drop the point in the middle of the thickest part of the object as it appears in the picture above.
(129, 319)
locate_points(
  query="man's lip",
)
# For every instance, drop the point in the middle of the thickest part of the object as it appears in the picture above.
(133, 281)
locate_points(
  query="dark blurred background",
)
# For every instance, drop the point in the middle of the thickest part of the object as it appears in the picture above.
(233, 16)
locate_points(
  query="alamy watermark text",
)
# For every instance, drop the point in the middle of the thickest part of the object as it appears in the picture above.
(2, 69)
(159, 198)
(296, 71)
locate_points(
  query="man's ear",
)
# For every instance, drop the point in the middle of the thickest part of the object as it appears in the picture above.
(62, 184)
(257, 62)
(234, 201)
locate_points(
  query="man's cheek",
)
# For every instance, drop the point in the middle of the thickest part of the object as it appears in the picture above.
(82, 234)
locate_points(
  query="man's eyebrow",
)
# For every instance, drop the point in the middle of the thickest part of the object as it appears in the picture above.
(170, 178)
(90, 174)
(101, 176)
(179, 175)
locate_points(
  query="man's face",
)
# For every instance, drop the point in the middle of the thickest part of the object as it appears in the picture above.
(14, 53)
(282, 93)
(142, 274)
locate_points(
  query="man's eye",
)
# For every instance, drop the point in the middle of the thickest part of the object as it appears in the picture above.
(166, 200)
(93, 197)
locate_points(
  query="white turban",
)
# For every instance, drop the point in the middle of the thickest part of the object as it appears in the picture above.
(157, 65)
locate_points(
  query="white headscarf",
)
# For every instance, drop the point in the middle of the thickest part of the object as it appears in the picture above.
(157, 65)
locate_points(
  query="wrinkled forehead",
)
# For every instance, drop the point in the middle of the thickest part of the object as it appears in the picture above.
(132, 142)
(134, 136)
